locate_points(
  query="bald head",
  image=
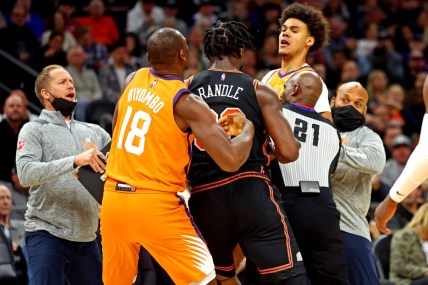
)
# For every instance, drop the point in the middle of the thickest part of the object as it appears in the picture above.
(164, 45)
(351, 93)
(303, 88)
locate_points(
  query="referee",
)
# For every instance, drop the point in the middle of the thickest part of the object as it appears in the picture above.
(308, 198)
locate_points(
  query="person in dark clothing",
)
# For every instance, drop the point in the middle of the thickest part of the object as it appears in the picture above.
(222, 204)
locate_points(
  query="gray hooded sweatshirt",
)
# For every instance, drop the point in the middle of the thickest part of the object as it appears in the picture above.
(362, 157)
(58, 203)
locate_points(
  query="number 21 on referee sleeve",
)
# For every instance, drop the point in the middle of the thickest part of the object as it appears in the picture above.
(137, 131)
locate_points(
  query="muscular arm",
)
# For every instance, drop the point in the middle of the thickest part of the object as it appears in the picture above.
(412, 176)
(286, 145)
(191, 111)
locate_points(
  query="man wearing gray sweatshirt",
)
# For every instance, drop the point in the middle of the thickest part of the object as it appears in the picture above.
(362, 157)
(62, 217)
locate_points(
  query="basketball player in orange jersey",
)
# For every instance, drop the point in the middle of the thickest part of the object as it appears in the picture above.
(155, 121)
(303, 30)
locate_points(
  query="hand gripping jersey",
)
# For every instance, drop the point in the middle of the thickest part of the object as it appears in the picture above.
(228, 92)
(146, 139)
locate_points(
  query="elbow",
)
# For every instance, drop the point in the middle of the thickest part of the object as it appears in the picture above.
(232, 164)
(23, 179)
(290, 154)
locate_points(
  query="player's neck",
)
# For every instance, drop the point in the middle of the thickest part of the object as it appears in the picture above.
(165, 70)
(225, 64)
(289, 63)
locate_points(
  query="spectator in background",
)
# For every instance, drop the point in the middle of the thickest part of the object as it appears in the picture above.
(414, 100)
(377, 84)
(10, 127)
(337, 43)
(237, 10)
(391, 132)
(52, 53)
(414, 65)
(195, 41)
(401, 150)
(21, 40)
(112, 76)
(170, 10)
(86, 83)
(400, 115)
(205, 16)
(408, 262)
(268, 54)
(67, 8)
(193, 65)
(103, 27)
(34, 20)
(386, 58)
(350, 72)
(380, 118)
(334, 8)
(7, 247)
(28, 115)
(96, 55)
(249, 62)
(365, 46)
(135, 56)
(58, 25)
(144, 12)
(144, 19)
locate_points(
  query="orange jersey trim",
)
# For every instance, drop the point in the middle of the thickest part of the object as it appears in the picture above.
(287, 240)
(247, 174)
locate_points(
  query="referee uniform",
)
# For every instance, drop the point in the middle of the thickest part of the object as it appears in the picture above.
(308, 198)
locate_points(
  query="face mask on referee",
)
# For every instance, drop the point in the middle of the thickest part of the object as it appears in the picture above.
(347, 118)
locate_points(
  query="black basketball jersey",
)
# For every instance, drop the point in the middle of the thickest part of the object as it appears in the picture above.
(228, 92)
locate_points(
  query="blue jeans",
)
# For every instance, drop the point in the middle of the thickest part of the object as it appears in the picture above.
(53, 260)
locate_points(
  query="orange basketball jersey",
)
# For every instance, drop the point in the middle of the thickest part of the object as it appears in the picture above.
(148, 149)
(277, 80)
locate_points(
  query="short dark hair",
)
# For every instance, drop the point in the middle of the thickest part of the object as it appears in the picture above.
(225, 39)
(317, 25)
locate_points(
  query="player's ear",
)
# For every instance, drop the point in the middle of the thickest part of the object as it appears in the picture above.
(44, 93)
(182, 55)
(332, 101)
(310, 41)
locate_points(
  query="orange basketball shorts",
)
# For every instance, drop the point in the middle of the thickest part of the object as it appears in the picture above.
(161, 223)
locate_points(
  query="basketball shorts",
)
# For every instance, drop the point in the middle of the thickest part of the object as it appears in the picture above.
(160, 222)
(248, 211)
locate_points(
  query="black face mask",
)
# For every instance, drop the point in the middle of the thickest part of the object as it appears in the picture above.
(347, 118)
(65, 106)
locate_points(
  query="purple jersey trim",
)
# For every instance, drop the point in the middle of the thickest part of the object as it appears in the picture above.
(304, 107)
(165, 77)
(292, 71)
(178, 95)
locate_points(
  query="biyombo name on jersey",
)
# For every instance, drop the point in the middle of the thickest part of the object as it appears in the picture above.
(223, 90)
(144, 96)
